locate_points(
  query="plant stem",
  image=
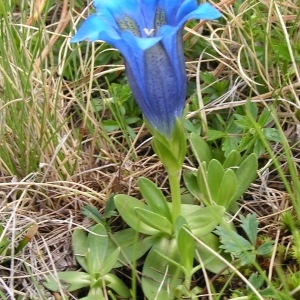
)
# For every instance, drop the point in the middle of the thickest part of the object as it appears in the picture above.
(174, 181)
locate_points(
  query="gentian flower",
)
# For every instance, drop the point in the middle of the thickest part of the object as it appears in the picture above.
(148, 33)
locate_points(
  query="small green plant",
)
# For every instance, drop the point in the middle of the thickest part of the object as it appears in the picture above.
(238, 133)
(219, 183)
(91, 252)
(244, 250)
(258, 281)
(168, 257)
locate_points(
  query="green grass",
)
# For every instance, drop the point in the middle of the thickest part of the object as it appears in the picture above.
(71, 135)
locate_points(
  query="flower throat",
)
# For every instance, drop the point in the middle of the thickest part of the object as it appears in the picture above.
(127, 23)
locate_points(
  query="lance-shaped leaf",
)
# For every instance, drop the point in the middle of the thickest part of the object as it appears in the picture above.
(154, 198)
(126, 206)
(155, 220)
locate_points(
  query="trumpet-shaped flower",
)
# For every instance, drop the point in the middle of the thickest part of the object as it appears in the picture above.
(148, 33)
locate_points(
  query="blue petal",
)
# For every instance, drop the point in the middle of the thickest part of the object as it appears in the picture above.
(170, 8)
(95, 28)
(138, 43)
(148, 8)
(204, 11)
(120, 9)
(161, 90)
(172, 41)
(133, 48)
(185, 8)
(158, 84)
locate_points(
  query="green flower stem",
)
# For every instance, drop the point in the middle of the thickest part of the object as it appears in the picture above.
(174, 181)
(171, 152)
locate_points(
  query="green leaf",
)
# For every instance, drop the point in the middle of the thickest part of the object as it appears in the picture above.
(171, 151)
(227, 188)
(256, 280)
(110, 208)
(92, 212)
(190, 181)
(215, 173)
(116, 284)
(94, 297)
(203, 184)
(69, 280)
(210, 261)
(202, 220)
(160, 277)
(272, 134)
(265, 249)
(154, 198)
(215, 134)
(252, 108)
(232, 242)
(246, 173)
(133, 245)
(155, 220)
(126, 206)
(186, 247)
(111, 260)
(97, 242)
(80, 248)
(250, 225)
(200, 148)
(265, 118)
(232, 160)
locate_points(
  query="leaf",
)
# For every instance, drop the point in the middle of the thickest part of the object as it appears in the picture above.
(110, 208)
(126, 206)
(94, 297)
(160, 277)
(171, 152)
(155, 220)
(265, 249)
(79, 244)
(256, 280)
(265, 118)
(210, 261)
(215, 173)
(111, 260)
(250, 225)
(203, 184)
(97, 243)
(227, 188)
(92, 212)
(186, 247)
(272, 134)
(69, 280)
(215, 134)
(200, 148)
(190, 181)
(232, 160)
(154, 198)
(116, 284)
(133, 245)
(202, 220)
(246, 173)
(232, 242)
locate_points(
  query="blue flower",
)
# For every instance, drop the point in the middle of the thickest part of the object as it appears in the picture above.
(148, 33)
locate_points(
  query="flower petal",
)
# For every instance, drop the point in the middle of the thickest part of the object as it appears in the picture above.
(96, 28)
(204, 11)
(119, 9)
(172, 41)
(170, 8)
